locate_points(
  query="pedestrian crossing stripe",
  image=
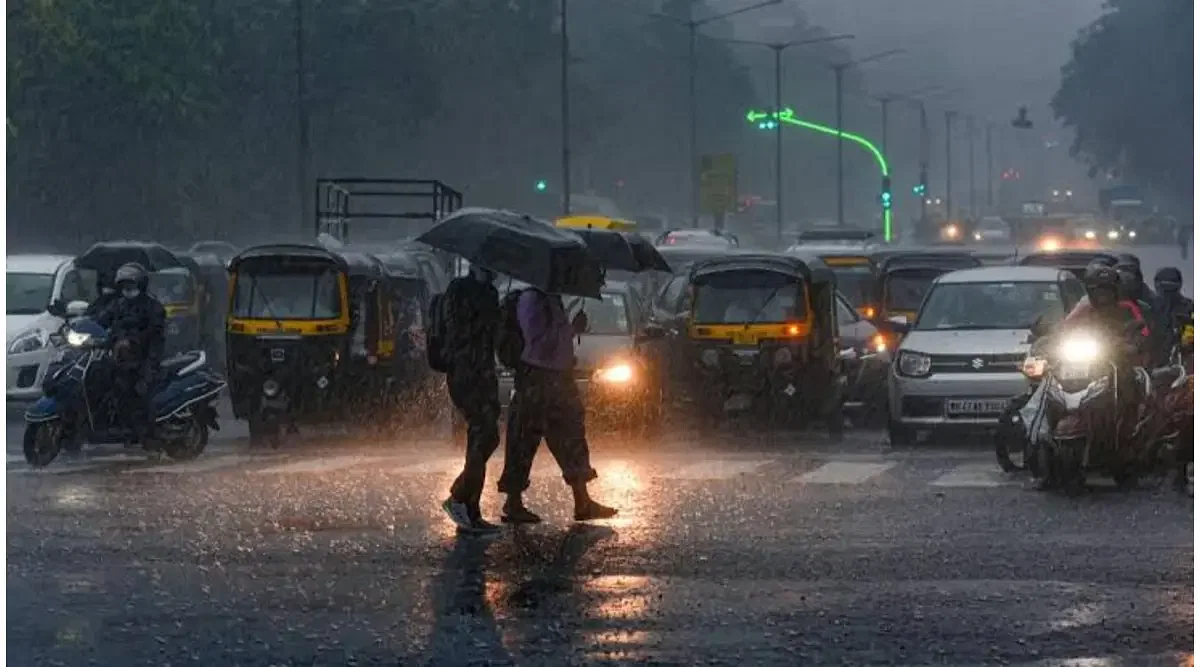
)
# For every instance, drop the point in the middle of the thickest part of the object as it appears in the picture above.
(845, 472)
(973, 476)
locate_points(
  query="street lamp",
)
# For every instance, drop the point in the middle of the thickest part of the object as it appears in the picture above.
(779, 48)
(838, 71)
(693, 162)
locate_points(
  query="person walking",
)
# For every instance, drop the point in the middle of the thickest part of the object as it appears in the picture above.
(546, 403)
(469, 314)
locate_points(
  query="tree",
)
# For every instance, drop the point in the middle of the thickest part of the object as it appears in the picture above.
(1127, 93)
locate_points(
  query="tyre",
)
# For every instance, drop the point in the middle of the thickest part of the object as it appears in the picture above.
(265, 431)
(900, 435)
(42, 442)
(191, 444)
(1004, 441)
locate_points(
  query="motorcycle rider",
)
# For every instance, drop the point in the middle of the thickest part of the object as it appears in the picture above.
(106, 293)
(1134, 289)
(1168, 282)
(137, 328)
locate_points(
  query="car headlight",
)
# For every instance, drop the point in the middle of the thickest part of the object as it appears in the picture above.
(710, 358)
(29, 341)
(78, 338)
(1132, 234)
(978, 236)
(913, 364)
(878, 345)
(1050, 244)
(1089, 235)
(1079, 349)
(270, 388)
(1114, 234)
(621, 373)
(950, 232)
(782, 356)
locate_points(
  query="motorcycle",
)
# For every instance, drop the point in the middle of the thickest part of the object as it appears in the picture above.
(77, 405)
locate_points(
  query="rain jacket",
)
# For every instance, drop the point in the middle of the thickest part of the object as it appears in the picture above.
(142, 321)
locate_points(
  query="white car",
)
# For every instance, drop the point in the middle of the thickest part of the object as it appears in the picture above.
(993, 230)
(960, 362)
(33, 281)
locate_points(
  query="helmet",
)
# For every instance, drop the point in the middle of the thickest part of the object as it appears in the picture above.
(132, 273)
(1100, 275)
(1129, 258)
(1168, 279)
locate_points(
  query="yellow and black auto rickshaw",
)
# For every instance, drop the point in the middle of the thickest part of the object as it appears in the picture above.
(761, 336)
(177, 290)
(903, 278)
(310, 337)
(856, 276)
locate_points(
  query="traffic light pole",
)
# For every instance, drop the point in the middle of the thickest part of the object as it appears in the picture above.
(883, 107)
(565, 47)
(779, 140)
(949, 171)
(924, 160)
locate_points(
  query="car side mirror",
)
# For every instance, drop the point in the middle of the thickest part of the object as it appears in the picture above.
(76, 309)
(57, 308)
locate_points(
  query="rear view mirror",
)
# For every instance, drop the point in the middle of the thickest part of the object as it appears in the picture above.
(76, 308)
(57, 308)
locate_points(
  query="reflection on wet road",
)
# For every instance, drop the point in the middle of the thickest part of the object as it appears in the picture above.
(726, 552)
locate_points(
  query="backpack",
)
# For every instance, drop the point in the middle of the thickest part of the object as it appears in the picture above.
(435, 338)
(509, 341)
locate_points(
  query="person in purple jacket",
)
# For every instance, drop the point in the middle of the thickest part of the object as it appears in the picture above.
(546, 403)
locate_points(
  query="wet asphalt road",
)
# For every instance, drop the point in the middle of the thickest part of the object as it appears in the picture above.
(728, 551)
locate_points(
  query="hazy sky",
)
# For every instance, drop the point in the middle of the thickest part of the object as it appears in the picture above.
(991, 55)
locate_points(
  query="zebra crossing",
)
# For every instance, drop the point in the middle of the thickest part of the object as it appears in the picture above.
(829, 470)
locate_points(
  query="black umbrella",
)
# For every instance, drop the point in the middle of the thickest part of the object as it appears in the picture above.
(622, 251)
(525, 248)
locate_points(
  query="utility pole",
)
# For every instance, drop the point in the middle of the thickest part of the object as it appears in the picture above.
(987, 147)
(778, 49)
(924, 160)
(971, 166)
(303, 151)
(883, 108)
(565, 54)
(949, 170)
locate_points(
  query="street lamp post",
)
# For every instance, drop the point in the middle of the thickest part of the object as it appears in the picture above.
(778, 48)
(839, 71)
(949, 173)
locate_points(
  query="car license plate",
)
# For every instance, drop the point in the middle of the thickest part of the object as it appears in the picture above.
(976, 407)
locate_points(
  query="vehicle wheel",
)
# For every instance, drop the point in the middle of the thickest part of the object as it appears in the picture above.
(191, 444)
(42, 441)
(1004, 439)
(265, 431)
(900, 436)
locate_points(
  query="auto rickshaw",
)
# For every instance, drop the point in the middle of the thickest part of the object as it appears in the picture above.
(903, 279)
(762, 336)
(855, 271)
(1075, 261)
(310, 337)
(176, 289)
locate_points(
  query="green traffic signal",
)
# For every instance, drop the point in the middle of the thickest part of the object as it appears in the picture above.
(768, 124)
(919, 189)
(540, 185)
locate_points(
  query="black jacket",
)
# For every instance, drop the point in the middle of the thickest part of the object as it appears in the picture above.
(141, 320)
(471, 312)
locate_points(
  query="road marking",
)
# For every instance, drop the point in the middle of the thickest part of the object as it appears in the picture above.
(201, 465)
(844, 472)
(974, 476)
(713, 470)
(330, 464)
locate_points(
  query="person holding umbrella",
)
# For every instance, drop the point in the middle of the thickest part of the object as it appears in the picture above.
(470, 312)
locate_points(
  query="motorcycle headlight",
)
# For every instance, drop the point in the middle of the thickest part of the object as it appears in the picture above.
(620, 373)
(782, 356)
(710, 358)
(270, 388)
(29, 341)
(1079, 349)
(78, 338)
(913, 364)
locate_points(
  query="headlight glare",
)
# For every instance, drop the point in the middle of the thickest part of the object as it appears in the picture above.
(621, 373)
(1079, 349)
(1114, 234)
(77, 339)
(914, 364)
(1089, 234)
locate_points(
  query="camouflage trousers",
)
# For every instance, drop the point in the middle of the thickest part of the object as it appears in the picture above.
(546, 404)
(475, 396)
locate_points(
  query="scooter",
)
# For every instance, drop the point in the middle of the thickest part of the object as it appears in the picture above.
(77, 405)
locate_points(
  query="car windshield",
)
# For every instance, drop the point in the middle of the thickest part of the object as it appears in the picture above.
(741, 297)
(607, 316)
(29, 293)
(906, 291)
(993, 305)
(287, 295)
(855, 283)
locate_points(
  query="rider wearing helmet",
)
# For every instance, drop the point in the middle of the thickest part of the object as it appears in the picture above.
(1176, 309)
(1135, 290)
(1104, 306)
(137, 327)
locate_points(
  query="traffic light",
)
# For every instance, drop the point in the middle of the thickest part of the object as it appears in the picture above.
(919, 189)
(768, 124)
(885, 195)
(540, 185)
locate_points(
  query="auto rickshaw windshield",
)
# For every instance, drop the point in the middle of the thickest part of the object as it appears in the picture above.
(743, 297)
(292, 293)
(856, 283)
(906, 291)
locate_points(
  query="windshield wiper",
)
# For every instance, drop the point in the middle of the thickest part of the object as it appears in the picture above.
(266, 303)
(762, 309)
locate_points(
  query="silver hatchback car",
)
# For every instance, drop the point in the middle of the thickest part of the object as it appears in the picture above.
(960, 362)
